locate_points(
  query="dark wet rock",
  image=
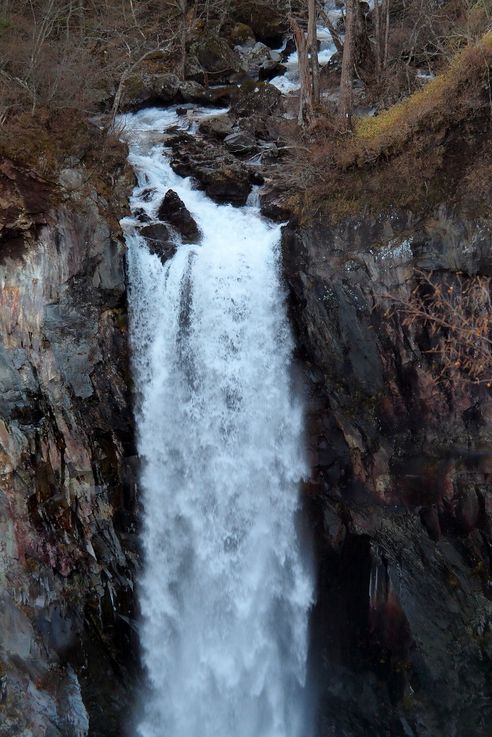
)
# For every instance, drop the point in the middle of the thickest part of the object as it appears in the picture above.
(174, 211)
(24, 203)
(261, 99)
(270, 69)
(159, 240)
(231, 185)
(165, 89)
(141, 215)
(255, 107)
(272, 206)
(67, 497)
(164, 249)
(155, 232)
(219, 173)
(147, 194)
(289, 48)
(222, 95)
(217, 127)
(242, 35)
(400, 483)
(241, 143)
(268, 20)
(216, 58)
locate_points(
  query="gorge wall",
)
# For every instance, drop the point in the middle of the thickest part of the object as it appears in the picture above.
(400, 493)
(67, 503)
(400, 497)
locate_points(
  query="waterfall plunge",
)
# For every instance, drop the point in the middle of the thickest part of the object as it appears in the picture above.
(226, 590)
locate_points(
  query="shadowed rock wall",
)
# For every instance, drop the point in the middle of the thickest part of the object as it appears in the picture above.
(401, 492)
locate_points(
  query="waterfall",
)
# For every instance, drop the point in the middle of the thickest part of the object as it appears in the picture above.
(226, 587)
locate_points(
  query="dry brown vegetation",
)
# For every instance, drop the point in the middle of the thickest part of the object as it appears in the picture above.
(456, 316)
(442, 99)
(421, 36)
(61, 61)
(434, 145)
(58, 65)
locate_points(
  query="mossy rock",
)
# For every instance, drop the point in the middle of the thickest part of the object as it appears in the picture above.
(268, 19)
(261, 97)
(241, 34)
(142, 89)
(216, 57)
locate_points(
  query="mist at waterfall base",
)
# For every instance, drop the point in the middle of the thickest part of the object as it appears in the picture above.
(227, 584)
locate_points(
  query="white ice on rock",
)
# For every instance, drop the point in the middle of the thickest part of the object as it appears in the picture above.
(226, 587)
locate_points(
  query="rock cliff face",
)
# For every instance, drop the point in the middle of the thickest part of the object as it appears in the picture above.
(400, 497)
(401, 493)
(67, 506)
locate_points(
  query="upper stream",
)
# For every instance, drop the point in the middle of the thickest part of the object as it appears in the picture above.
(226, 587)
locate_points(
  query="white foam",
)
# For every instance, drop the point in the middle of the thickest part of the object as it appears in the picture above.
(226, 589)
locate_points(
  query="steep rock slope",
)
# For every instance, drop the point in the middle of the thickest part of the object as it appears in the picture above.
(67, 503)
(401, 494)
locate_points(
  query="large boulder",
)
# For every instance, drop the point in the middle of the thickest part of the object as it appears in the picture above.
(149, 89)
(219, 173)
(159, 240)
(218, 126)
(242, 35)
(262, 98)
(254, 107)
(216, 58)
(259, 61)
(191, 91)
(174, 211)
(273, 205)
(241, 143)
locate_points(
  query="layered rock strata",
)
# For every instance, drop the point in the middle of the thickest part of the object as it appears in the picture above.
(67, 495)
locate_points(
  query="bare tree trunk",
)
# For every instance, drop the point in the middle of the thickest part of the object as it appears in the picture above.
(378, 44)
(312, 42)
(183, 7)
(346, 101)
(224, 13)
(386, 6)
(306, 92)
(333, 31)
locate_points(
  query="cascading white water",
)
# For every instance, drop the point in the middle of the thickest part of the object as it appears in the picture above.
(289, 81)
(226, 588)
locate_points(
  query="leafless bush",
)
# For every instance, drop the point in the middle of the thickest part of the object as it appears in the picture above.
(60, 54)
(456, 313)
